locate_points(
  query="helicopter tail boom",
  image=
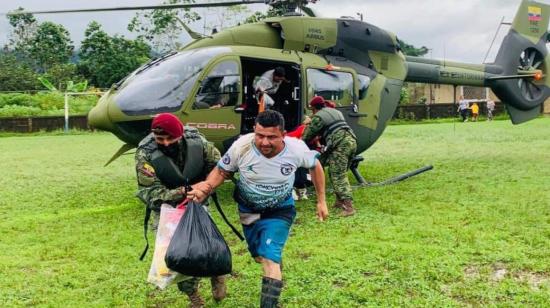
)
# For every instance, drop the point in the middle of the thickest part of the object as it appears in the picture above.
(523, 52)
(518, 75)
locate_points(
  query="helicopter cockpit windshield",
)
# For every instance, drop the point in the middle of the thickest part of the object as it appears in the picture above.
(164, 85)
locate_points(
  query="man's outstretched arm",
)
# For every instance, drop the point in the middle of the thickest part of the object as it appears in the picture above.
(203, 189)
(318, 179)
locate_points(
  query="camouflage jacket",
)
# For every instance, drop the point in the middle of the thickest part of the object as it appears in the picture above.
(315, 128)
(151, 190)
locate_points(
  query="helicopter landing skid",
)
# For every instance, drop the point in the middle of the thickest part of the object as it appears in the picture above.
(362, 182)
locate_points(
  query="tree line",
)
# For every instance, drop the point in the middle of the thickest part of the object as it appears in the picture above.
(42, 53)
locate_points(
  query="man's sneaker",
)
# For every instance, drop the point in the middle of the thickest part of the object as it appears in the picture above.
(219, 290)
(295, 195)
(302, 194)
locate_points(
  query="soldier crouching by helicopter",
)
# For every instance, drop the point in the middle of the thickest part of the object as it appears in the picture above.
(165, 157)
(340, 147)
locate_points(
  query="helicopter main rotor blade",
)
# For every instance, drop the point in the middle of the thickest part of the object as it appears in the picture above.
(147, 7)
(308, 11)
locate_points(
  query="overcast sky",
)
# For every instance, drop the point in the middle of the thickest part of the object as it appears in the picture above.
(459, 30)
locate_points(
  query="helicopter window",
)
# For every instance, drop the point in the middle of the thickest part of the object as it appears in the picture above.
(364, 82)
(334, 86)
(164, 85)
(220, 88)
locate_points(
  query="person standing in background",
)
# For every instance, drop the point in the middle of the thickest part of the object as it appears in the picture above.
(490, 109)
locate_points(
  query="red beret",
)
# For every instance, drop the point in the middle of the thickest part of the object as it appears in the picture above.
(169, 123)
(330, 104)
(317, 101)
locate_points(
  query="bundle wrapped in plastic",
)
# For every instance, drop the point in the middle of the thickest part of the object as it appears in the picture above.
(198, 248)
(159, 274)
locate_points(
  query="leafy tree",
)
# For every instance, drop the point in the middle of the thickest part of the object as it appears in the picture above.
(226, 17)
(24, 29)
(16, 75)
(404, 97)
(410, 50)
(50, 45)
(62, 75)
(271, 12)
(105, 60)
(162, 28)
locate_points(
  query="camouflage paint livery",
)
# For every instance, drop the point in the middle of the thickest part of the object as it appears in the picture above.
(151, 190)
(361, 49)
(337, 156)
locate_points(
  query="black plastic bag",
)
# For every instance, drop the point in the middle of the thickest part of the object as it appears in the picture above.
(198, 248)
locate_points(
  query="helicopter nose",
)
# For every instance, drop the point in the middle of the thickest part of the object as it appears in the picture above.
(98, 117)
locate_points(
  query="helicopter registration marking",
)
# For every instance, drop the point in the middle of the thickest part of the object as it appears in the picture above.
(460, 75)
(316, 34)
(212, 125)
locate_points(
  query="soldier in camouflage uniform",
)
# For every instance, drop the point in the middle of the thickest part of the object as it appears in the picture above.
(154, 189)
(340, 147)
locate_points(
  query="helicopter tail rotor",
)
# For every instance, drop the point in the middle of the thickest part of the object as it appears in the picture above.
(524, 56)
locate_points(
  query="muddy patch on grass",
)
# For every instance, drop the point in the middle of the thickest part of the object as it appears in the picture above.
(498, 272)
(534, 280)
(471, 272)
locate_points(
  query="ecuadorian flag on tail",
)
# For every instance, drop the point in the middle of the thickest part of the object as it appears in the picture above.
(534, 13)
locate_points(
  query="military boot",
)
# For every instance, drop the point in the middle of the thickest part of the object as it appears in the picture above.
(191, 288)
(219, 290)
(338, 204)
(271, 290)
(195, 299)
(347, 208)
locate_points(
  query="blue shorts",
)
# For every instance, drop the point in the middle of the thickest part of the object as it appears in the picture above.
(267, 237)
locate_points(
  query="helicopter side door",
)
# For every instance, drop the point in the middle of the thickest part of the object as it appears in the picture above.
(212, 110)
(286, 98)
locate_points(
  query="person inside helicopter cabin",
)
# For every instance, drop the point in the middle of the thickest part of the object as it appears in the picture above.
(269, 83)
(340, 146)
(171, 146)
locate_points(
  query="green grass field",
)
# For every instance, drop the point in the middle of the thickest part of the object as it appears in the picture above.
(474, 231)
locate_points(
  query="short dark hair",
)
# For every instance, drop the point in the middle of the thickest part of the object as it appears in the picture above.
(271, 118)
(279, 71)
(318, 107)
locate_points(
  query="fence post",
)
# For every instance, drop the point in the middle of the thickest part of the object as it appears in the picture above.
(66, 113)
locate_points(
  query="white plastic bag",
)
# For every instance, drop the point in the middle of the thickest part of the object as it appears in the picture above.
(159, 274)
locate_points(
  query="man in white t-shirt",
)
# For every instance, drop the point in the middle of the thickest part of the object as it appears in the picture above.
(464, 108)
(270, 81)
(266, 161)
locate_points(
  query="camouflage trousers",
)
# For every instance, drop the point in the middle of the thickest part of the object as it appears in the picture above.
(338, 159)
(187, 286)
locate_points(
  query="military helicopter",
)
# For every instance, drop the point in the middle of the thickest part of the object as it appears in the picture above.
(209, 83)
